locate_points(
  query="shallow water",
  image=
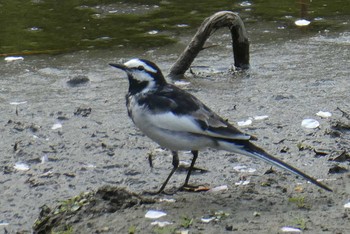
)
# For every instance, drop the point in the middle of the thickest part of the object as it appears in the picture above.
(41, 27)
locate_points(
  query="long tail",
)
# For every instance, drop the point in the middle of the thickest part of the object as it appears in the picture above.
(249, 149)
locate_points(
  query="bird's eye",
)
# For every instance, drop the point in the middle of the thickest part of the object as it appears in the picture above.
(140, 68)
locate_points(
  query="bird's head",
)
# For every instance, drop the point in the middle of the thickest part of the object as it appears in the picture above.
(143, 75)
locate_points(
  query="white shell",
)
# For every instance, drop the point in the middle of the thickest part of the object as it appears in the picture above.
(310, 123)
(245, 4)
(18, 103)
(182, 25)
(207, 220)
(244, 123)
(90, 165)
(170, 200)
(242, 182)
(347, 205)
(181, 83)
(324, 114)
(290, 229)
(154, 214)
(302, 22)
(21, 166)
(261, 117)
(48, 173)
(13, 58)
(152, 32)
(56, 126)
(44, 159)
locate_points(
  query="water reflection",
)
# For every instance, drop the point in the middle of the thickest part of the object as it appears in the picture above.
(49, 26)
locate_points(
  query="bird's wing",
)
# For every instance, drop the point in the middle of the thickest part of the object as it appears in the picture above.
(177, 110)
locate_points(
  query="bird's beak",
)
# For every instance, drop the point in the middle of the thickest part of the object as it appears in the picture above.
(119, 66)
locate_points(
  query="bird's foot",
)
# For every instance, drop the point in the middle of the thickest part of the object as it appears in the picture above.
(185, 187)
(194, 188)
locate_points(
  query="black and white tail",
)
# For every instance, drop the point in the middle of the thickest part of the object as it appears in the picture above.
(249, 149)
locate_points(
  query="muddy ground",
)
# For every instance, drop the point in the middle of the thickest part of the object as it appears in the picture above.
(77, 138)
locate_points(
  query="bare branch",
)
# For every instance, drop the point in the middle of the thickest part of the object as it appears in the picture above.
(240, 42)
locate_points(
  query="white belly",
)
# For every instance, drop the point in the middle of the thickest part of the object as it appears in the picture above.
(173, 140)
(176, 140)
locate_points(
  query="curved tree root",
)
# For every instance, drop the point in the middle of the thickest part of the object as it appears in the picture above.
(240, 42)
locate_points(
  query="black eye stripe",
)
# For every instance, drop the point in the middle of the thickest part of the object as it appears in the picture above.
(140, 68)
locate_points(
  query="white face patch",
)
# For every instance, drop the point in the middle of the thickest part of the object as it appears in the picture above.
(135, 63)
(142, 75)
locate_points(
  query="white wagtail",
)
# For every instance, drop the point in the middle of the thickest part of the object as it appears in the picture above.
(177, 120)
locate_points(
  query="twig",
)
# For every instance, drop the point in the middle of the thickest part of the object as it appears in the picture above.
(344, 114)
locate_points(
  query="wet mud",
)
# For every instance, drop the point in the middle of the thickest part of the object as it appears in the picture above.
(71, 160)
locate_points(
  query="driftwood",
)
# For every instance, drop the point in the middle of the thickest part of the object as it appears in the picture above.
(240, 42)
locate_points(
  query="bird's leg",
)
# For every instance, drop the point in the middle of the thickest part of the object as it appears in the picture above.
(175, 166)
(195, 155)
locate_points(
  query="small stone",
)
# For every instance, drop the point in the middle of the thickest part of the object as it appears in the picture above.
(229, 228)
(337, 170)
(78, 81)
(83, 111)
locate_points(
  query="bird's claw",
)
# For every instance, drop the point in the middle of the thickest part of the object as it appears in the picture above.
(194, 188)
